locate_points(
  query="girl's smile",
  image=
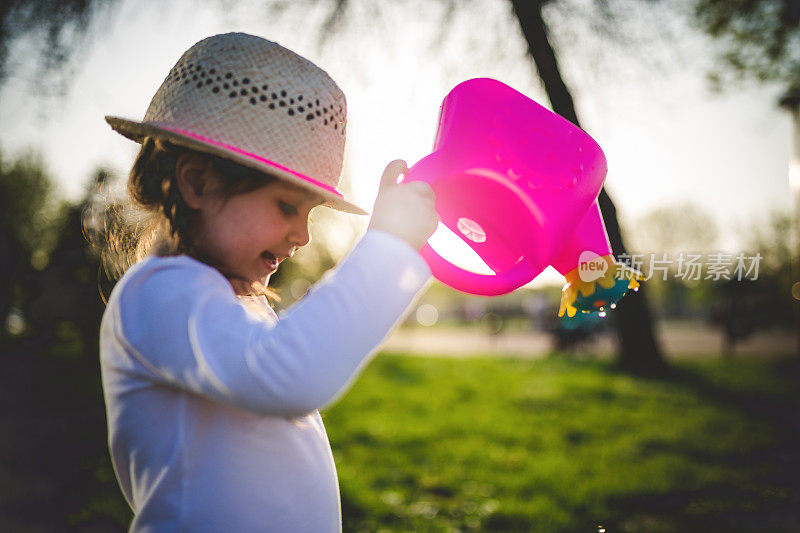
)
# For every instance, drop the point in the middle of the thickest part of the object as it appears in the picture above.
(270, 261)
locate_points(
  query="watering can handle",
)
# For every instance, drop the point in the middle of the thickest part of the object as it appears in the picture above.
(430, 170)
(473, 283)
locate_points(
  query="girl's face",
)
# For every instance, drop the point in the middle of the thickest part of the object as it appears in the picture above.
(248, 235)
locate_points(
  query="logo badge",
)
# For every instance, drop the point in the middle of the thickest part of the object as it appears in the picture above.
(591, 266)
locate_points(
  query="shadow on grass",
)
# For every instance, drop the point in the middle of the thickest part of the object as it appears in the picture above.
(768, 502)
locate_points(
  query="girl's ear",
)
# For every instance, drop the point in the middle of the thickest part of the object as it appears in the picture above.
(195, 178)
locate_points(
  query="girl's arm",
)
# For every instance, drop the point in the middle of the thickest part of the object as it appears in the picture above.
(183, 323)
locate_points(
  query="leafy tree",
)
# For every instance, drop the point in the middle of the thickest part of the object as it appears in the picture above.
(30, 219)
(756, 39)
(69, 288)
(29, 208)
(762, 299)
(56, 28)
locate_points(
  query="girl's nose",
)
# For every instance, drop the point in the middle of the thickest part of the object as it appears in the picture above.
(300, 235)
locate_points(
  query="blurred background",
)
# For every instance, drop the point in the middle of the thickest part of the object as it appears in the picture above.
(677, 411)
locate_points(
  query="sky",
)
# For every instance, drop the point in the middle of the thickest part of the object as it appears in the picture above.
(666, 137)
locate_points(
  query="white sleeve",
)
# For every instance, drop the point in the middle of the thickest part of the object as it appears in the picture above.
(186, 326)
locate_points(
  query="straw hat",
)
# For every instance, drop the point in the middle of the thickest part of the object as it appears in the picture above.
(255, 103)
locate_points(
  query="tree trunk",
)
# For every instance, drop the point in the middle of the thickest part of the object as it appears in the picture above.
(639, 350)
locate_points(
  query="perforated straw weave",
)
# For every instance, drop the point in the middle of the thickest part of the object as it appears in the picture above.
(256, 103)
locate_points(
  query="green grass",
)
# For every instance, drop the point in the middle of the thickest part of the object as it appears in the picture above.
(479, 444)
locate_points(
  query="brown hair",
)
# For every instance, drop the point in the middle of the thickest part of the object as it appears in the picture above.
(162, 223)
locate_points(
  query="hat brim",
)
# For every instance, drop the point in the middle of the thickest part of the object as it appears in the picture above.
(137, 131)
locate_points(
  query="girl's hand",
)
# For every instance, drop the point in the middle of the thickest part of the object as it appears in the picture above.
(406, 210)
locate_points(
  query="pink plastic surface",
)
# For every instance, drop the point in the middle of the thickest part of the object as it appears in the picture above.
(516, 182)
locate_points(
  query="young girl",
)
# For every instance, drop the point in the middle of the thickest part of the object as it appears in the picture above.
(212, 401)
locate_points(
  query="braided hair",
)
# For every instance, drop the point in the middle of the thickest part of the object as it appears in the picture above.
(152, 186)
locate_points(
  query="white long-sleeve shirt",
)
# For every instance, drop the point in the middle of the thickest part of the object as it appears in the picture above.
(212, 407)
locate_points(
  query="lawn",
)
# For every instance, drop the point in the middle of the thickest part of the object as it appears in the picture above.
(477, 444)
(437, 444)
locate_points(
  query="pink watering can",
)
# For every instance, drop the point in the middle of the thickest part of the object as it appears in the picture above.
(519, 184)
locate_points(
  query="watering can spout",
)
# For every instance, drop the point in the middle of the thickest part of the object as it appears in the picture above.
(595, 280)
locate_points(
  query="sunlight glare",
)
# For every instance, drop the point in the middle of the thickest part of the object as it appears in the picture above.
(454, 249)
